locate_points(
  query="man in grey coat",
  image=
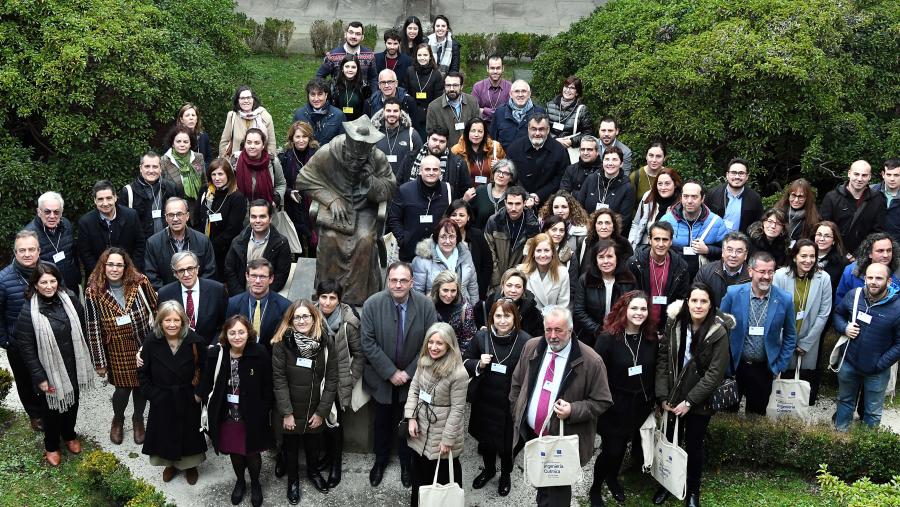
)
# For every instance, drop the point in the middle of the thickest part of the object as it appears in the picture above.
(394, 322)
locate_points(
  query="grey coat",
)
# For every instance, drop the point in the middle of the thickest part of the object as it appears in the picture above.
(427, 265)
(378, 339)
(818, 309)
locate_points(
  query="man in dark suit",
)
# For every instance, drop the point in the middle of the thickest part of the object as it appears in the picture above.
(262, 307)
(734, 201)
(176, 237)
(204, 300)
(259, 239)
(108, 225)
(394, 323)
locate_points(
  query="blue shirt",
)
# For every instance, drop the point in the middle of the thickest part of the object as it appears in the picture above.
(733, 210)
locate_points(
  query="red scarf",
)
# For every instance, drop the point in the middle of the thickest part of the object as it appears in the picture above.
(247, 168)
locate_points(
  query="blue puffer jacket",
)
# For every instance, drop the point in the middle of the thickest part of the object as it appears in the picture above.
(326, 126)
(684, 234)
(851, 280)
(12, 296)
(877, 346)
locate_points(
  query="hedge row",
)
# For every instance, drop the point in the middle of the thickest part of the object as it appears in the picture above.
(104, 471)
(326, 35)
(271, 36)
(6, 382)
(477, 47)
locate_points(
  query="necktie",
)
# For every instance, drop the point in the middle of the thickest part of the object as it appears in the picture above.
(544, 401)
(257, 315)
(190, 308)
(400, 336)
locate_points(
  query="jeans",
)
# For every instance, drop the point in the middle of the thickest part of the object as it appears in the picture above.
(849, 382)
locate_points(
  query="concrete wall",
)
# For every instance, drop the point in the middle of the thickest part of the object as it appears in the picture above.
(466, 16)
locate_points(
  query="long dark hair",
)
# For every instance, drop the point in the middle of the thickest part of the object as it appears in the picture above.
(792, 261)
(432, 65)
(342, 83)
(592, 275)
(470, 148)
(683, 319)
(404, 40)
(44, 268)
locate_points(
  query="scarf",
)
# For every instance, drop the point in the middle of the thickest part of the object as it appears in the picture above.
(443, 51)
(503, 339)
(52, 360)
(335, 320)
(565, 104)
(795, 221)
(189, 178)
(445, 311)
(423, 152)
(24, 272)
(663, 204)
(449, 261)
(306, 347)
(253, 116)
(496, 202)
(245, 181)
(519, 113)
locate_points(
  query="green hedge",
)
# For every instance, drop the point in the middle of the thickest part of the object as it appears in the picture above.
(104, 471)
(862, 493)
(477, 47)
(271, 36)
(6, 382)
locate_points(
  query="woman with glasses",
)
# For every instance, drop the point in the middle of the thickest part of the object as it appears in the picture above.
(246, 113)
(665, 192)
(183, 166)
(566, 112)
(491, 198)
(770, 235)
(445, 251)
(832, 257)
(798, 203)
(119, 304)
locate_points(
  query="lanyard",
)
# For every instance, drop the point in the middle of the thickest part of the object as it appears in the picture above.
(761, 316)
(491, 101)
(605, 188)
(419, 83)
(658, 279)
(58, 241)
(635, 352)
(804, 298)
(208, 202)
(509, 231)
(396, 137)
(494, 349)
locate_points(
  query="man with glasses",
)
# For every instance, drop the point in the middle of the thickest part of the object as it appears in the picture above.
(890, 188)
(109, 225)
(394, 322)
(588, 164)
(258, 240)
(203, 300)
(539, 164)
(764, 336)
(392, 58)
(353, 37)
(511, 119)
(734, 201)
(731, 270)
(57, 237)
(389, 88)
(452, 109)
(262, 307)
(856, 209)
(176, 237)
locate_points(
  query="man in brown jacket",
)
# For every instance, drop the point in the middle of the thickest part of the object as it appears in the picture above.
(559, 377)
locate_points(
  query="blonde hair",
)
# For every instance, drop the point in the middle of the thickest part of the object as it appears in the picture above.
(450, 361)
(165, 309)
(445, 277)
(287, 319)
(530, 265)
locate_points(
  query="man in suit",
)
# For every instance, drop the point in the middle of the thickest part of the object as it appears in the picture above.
(203, 300)
(259, 239)
(177, 237)
(262, 307)
(734, 201)
(764, 337)
(108, 225)
(394, 322)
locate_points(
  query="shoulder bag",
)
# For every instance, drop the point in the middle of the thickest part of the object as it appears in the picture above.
(204, 410)
(836, 359)
(552, 460)
(575, 151)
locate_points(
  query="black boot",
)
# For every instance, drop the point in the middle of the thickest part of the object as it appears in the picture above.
(256, 495)
(505, 484)
(293, 491)
(618, 492)
(279, 465)
(404, 476)
(312, 460)
(662, 494)
(692, 500)
(335, 441)
(237, 494)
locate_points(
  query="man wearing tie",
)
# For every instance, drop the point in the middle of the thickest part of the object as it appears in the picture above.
(394, 322)
(558, 379)
(262, 307)
(204, 300)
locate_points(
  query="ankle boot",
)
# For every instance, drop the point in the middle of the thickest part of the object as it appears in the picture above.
(692, 500)
(335, 443)
(117, 431)
(138, 429)
(293, 490)
(256, 494)
(312, 472)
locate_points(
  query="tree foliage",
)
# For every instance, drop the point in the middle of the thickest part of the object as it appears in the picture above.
(89, 85)
(799, 87)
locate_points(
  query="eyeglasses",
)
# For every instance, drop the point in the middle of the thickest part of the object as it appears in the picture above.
(258, 277)
(773, 223)
(387, 82)
(250, 97)
(737, 173)
(502, 173)
(824, 236)
(453, 86)
(51, 212)
(115, 265)
(569, 87)
(797, 197)
(178, 215)
(301, 318)
(184, 271)
(770, 272)
(447, 237)
(735, 251)
(398, 281)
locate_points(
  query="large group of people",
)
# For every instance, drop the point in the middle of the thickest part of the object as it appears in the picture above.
(515, 229)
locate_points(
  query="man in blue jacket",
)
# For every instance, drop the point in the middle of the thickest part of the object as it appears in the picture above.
(764, 336)
(874, 346)
(877, 247)
(326, 120)
(262, 307)
(698, 231)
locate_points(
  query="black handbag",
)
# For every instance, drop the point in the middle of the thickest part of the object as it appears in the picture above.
(725, 396)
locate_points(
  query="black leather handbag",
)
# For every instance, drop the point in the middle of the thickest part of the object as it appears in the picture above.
(726, 395)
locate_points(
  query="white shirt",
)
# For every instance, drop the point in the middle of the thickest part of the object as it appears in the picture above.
(561, 358)
(195, 295)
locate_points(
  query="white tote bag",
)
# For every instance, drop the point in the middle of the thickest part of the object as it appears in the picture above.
(789, 398)
(647, 431)
(670, 462)
(575, 151)
(839, 352)
(359, 397)
(442, 495)
(552, 460)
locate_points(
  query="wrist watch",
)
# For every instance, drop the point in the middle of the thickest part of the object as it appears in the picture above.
(687, 403)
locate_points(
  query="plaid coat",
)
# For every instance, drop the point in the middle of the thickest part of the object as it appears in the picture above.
(115, 346)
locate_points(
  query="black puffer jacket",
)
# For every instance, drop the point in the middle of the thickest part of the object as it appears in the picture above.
(413, 201)
(777, 248)
(530, 317)
(589, 303)
(60, 240)
(617, 193)
(855, 223)
(26, 338)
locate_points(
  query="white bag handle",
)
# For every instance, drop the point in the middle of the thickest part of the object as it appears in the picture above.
(449, 465)
(712, 222)
(546, 425)
(204, 423)
(852, 321)
(666, 427)
(575, 126)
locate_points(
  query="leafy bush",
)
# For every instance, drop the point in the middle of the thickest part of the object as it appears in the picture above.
(324, 35)
(104, 471)
(798, 87)
(371, 36)
(477, 47)
(862, 493)
(6, 382)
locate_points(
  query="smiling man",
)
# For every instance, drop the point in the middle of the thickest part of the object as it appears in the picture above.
(148, 193)
(659, 273)
(109, 225)
(453, 109)
(57, 237)
(258, 240)
(510, 121)
(176, 237)
(353, 38)
(734, 201)
(326, 120)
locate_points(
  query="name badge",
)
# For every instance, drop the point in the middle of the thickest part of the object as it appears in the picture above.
(392, 159)
(233, 398)
(347, 110)
(635, 370)
(602, 205)
(304, 362)
(157, 213)
(801, 315)
(792, 243)
(58, 256)
(123, 320)
(498, 368)
(426, 219)
(548, 385)
(729, 224)
(421, 95)
(558, 126)
(660, 300)
(756, 330)
(460, 125)
(424, 396)
(864, 317)
(215, 217)
(689, 250)
(480, 179)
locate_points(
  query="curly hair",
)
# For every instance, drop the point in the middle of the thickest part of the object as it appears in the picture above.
(592, 235)
(616, 320)
(97, 281)
(577, 214)
(811, 218)
(865, 250)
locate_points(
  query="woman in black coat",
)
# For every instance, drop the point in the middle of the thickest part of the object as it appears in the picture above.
(490, 360)
(605, 272)
(173, 357)
(300, 147)
(770, 235)
(628, 346)
(424, 82)
(220, 211)
(460, 212)
(240, 398)
(513, 285)
(832, 258)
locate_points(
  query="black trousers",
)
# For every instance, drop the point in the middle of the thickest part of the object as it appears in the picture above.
(421, 473)
(59, 425)
(32, 402)
(692, 431)
(754, 382)
(290, 448)
(608, 462)
(386, 418)
(814, 377)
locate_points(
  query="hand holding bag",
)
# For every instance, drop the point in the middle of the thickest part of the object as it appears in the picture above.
(789, 398)
(670, 461)
(204, 410)
(442, 495)
(552, 460)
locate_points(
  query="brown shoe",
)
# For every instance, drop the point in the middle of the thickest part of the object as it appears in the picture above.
(37, 424)
(169, 473)
(116, 431)
(139, 430)
(74, 446)
(191, 475)
(52, 457)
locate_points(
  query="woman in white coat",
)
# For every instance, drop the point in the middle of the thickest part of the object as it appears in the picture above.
(811, 289)
(445, 251)
(548, 279)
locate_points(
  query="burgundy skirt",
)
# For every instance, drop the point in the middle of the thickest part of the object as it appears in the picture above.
(233, 438)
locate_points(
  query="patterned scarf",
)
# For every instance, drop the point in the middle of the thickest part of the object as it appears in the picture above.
(306, 347)
(519, 113)
(423, 152)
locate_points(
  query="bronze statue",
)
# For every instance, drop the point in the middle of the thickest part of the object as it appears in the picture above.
(350, 182)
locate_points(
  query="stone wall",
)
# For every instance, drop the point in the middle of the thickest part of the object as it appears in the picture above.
(466, 16)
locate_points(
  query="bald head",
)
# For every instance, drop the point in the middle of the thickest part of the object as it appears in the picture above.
(387, 82)
(520, 92)
(877, 278)
(858, 177)
(430, 170)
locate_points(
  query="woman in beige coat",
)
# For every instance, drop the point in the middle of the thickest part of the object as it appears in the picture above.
(246, 113)
(435, 408)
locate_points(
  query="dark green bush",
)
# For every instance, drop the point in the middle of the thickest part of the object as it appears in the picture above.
(371, 36)
(104, 471)
(6, 382)
(798, 87)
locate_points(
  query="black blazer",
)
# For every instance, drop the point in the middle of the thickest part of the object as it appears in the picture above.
(751, 205)
(481, 257)
(94, 237)
(277, 251)
(158, 262)
(209, 311)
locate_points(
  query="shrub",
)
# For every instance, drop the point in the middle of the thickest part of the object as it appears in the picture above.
(104, 471)
(370, 36)
(862, 493)
(6, 382)
(797, 87)
(319, 35)
(277, 35)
